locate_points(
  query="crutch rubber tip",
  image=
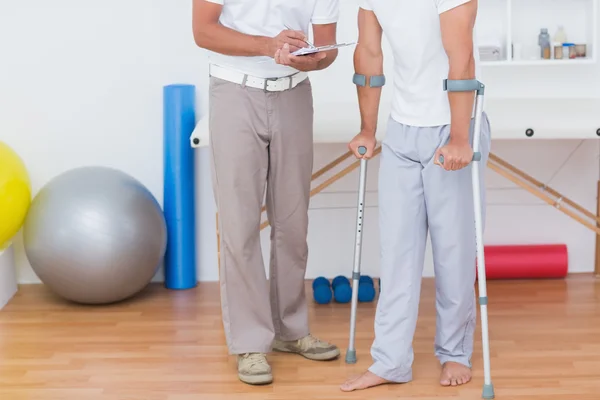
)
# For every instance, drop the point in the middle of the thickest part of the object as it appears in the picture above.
(488, 391)
(351, 357)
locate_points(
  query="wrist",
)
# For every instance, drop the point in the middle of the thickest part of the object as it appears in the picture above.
(327, 61)
(263, 46)
(459, 139)
(370, 132)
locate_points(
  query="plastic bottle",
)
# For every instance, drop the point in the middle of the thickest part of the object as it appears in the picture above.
(560, 37)
(544, 43)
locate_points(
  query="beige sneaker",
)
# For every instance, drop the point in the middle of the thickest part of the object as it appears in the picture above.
(254, 369)
(309, 347)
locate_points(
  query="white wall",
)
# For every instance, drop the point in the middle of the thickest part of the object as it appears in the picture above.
(80, 83)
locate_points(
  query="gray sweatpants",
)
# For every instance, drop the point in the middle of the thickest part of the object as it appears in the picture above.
(415, 196)
(262, 141)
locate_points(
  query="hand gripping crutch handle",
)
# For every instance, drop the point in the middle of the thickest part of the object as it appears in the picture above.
(469, 85)
(476, 157)
(351, 352)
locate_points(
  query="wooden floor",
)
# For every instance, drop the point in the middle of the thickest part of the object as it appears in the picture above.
(545, 341)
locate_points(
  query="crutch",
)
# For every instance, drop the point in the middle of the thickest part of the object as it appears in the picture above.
(476, 86)
(351, 352)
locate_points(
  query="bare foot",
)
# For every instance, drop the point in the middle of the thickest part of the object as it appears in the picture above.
(364, 381)
(454, 374)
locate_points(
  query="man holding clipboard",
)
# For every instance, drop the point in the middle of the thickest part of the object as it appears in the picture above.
(261, 139)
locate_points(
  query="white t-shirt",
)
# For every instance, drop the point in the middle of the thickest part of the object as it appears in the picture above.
(412, 27)
(269, 18)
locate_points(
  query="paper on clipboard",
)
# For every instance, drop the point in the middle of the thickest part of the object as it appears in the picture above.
(311, 50)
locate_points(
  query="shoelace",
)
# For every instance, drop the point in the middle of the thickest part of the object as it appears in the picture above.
(309, 341)
(254, 359)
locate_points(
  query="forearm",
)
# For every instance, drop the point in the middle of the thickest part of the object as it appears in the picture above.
(369, 63)
(223, 40)
(325, 35)
(462, 66)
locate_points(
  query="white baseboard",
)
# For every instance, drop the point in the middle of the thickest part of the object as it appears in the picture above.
(8, 276)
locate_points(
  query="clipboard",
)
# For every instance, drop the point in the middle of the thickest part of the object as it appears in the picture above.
(311, 50)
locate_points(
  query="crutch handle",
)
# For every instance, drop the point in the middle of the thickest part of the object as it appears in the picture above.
(362, 150)
(476, 157)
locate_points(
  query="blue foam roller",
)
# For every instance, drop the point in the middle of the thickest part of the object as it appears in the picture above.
(342, 293)
(179, 120)
(366, 292)
(322, 294)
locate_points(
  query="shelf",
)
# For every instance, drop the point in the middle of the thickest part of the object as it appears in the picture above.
(513, 26)
(508, 63)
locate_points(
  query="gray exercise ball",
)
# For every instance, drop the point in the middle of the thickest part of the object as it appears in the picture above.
(95, 235)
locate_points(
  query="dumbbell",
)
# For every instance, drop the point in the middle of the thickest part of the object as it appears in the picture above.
(342, 292)
(321, 290)
(366, 289)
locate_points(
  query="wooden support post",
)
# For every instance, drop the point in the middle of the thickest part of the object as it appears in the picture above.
(543, 196)
(597, 268)
(541, 186)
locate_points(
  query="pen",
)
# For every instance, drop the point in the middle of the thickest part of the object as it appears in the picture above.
(305, 41)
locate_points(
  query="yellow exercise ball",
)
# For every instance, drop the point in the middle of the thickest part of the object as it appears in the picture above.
(15, 194)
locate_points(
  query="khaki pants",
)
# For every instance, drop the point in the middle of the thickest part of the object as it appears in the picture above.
(262, 140)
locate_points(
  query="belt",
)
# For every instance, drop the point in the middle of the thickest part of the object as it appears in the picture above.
(268, 84)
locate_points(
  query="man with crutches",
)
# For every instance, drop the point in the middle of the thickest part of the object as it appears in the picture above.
(425, 179)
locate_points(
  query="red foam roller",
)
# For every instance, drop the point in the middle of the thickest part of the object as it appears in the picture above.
(526, 261)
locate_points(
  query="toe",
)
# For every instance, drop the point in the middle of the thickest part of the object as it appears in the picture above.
(350, 384)
(444, 378)
(347, 385)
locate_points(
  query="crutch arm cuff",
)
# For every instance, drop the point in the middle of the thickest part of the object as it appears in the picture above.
(464, 85)
(374, 81)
